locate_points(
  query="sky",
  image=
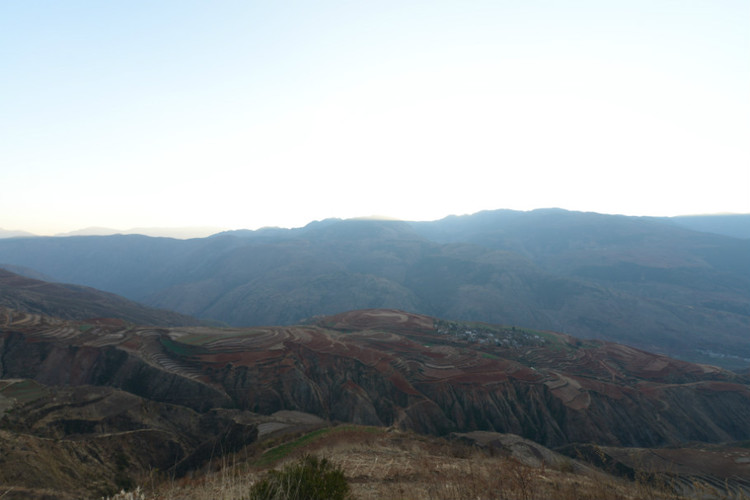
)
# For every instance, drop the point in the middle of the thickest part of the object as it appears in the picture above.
(242, 114)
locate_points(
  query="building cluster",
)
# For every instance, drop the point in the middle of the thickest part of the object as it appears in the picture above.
(510, 336)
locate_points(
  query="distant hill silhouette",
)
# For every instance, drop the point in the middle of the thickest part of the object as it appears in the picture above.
(5, 233)
(169, 232)
(643, 281)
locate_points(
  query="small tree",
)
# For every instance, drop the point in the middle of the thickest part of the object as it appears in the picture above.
(309, 479)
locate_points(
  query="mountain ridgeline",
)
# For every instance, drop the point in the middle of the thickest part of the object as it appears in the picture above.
(647, 282)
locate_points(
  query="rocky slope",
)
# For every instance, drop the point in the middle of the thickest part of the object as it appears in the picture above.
(79, 302)
(386, 367)
(100, 439)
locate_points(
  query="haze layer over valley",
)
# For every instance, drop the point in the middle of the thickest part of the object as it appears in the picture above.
(648, 282)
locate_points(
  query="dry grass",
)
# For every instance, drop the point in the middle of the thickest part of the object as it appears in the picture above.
(406, 466)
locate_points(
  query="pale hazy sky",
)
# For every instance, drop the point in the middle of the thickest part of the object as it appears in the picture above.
(246, 114)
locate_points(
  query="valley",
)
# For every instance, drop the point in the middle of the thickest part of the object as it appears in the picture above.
(645, 282)
(493, 250)
(574, 353)
(196, 393)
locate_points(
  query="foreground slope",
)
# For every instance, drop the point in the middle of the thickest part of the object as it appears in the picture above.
(377, 462)
(386, 367)
(59, 440)
(384, 463)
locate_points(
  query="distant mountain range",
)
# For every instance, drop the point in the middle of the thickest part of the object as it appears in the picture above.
(734, 225)
(647, 282)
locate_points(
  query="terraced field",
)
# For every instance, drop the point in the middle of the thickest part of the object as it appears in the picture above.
(388, 367)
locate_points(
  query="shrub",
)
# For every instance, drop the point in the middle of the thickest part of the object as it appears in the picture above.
(309, 479)
(136, 494)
